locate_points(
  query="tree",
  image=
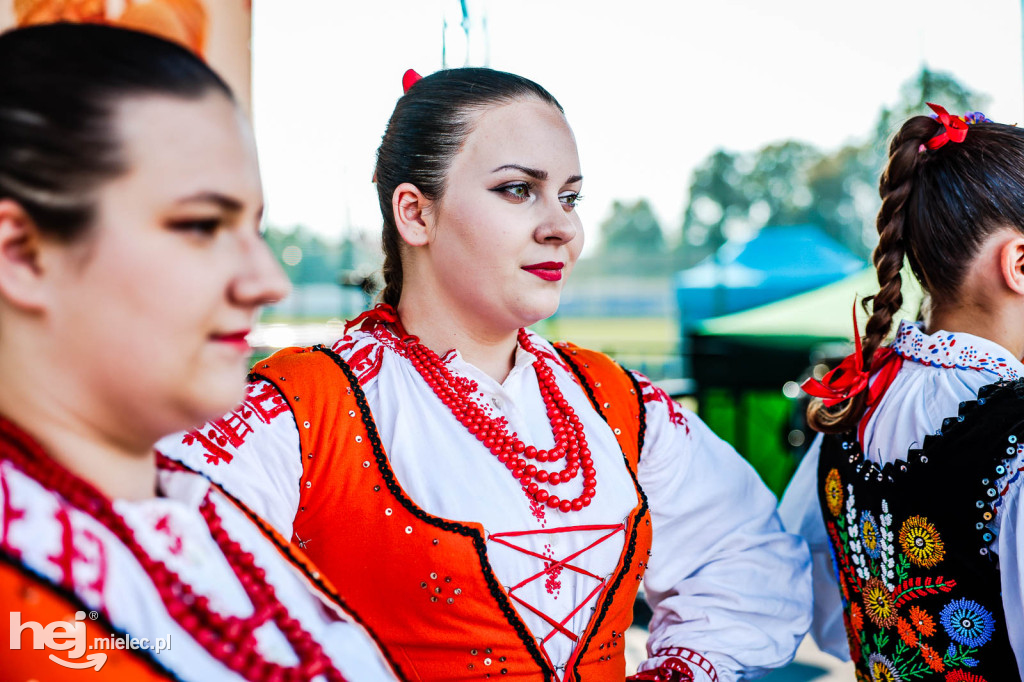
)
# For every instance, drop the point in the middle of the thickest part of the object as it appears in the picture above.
(632, 228)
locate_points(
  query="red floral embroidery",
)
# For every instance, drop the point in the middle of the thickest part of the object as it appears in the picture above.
(552, 584)
(262, 404)
(10, 516)
(163, 525)
(653, 394)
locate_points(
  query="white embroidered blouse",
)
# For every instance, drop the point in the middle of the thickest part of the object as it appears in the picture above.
(724, 579)
(939, 372)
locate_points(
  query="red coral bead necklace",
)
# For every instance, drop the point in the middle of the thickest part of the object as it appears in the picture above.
(570, 440)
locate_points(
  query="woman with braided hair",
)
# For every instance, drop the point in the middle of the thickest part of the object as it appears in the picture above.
(489, 502)
(910, 498)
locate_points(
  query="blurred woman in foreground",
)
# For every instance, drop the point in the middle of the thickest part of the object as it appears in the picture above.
(131, 268)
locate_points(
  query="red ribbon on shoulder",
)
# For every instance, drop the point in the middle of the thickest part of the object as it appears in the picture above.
(850, 378)
(954, 128)
(380, 315)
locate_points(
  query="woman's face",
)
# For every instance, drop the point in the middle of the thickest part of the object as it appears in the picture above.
(505, 235)
(153, 305)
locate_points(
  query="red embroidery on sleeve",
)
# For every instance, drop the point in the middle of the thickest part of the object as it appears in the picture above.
(65, 556)
(366, 362)
(10, 516)
(654, 394)
(263, 403)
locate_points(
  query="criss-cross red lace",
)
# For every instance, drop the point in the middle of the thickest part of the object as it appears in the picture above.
(557, 626)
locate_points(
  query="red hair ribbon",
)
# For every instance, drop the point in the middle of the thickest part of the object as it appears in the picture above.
(409, 80)
(379, 316)
(850, 378)
(954, 128)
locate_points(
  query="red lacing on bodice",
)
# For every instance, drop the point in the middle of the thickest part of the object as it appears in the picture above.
(552, 566)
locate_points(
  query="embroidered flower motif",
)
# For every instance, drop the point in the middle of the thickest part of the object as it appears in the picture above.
(834, 492)
(962, 676)
(882, 669)
(856, 617)
(922, 621)
(967, 622)
(932, 658)
(921, 542)
(878, 603)
(869, 534)
(907, 633)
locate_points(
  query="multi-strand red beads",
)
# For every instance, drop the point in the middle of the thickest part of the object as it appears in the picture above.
(570, 441)
(229, 639)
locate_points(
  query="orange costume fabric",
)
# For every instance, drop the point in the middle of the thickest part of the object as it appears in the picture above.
(422, 584)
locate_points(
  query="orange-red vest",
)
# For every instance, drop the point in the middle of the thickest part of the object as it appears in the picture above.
(422, 584)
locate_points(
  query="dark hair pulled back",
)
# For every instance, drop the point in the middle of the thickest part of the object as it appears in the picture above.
(427, 129)
(938, 207)
(59, 87)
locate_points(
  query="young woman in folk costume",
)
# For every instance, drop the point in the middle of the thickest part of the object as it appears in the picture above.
(131, 267)
(913, 494)
(487, 499)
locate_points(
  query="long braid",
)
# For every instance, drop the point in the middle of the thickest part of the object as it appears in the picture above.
(895, 187)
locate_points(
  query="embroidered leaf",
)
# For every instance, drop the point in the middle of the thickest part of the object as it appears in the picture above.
(919, 587)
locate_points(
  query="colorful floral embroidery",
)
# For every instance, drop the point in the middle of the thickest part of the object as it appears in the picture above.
(921, 542)
(882, 669)
(878, 603)
(834, 492)
(907, 633)
(967, 622)
(932, 658)
(962, 676)
(893, 595)
(922, 621)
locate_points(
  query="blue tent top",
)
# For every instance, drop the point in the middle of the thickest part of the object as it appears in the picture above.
(779, 262)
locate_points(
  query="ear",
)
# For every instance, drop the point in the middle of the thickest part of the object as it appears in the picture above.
(1011, 263)
(410, 208)
(20, 258)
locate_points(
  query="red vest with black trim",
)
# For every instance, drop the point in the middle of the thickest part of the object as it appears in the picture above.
(422, 584)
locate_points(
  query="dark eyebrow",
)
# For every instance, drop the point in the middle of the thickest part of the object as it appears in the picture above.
(573, 178)
(532, 172)
(222, 200)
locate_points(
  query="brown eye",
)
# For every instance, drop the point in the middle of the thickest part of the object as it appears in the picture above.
(206, 226)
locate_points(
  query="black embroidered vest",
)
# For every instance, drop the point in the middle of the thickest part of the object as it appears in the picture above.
(912, 546)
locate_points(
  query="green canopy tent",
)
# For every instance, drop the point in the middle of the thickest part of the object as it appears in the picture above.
(742, 362)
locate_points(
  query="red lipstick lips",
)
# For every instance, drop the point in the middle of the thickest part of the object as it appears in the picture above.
(550, 271)
(237, 339)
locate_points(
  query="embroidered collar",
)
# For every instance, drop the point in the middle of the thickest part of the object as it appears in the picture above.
(955, 350)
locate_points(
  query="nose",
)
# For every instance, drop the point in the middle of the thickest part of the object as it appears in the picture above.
(558, 226)
(261, 280)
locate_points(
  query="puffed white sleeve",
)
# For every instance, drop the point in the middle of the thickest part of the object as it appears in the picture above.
(252, 452)
(1010, 545)
(730, 589)
(801, 514)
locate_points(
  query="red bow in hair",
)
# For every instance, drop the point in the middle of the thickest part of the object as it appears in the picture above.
(850, 378)
(409, 79)
(954, 128)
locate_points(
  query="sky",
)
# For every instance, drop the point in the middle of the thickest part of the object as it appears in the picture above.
(650, 87)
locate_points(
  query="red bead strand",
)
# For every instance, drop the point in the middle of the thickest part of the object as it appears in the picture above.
(570, 440)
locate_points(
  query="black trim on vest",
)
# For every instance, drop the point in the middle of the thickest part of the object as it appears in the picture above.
(627, 560)
(388, 475)
(144, 655)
